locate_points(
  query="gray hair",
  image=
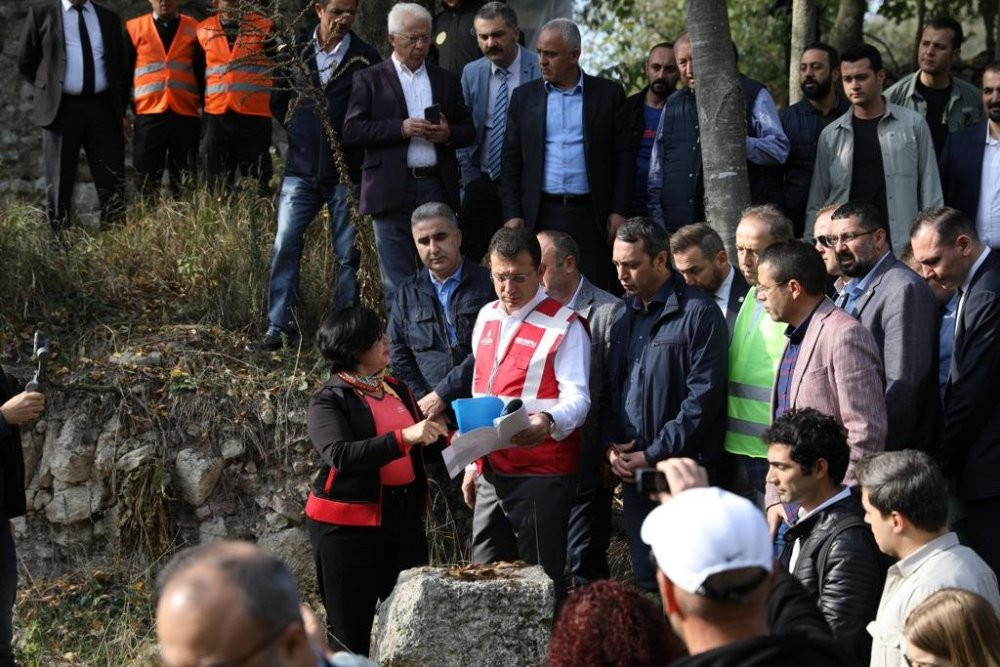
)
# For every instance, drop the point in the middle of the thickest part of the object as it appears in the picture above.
(403, 9)
(498, 10)
(908, 482)
(268, 589)
(781, 226)
(432, 210)
(567, 29)
(564, 244)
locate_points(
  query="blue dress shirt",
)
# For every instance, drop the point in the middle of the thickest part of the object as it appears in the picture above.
(565, 161)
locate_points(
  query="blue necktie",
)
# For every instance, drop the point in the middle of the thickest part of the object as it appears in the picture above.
(495, 152)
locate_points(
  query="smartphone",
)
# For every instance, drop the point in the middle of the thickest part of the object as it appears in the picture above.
(650, 480)
(433, 114)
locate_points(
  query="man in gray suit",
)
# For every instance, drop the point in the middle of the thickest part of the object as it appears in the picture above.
(898, 307)
(487, 84)
(590, 516)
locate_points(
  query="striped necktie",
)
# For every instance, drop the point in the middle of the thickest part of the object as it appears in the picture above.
(499, 125)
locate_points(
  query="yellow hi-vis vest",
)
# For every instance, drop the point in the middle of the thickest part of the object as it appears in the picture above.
(754, 355)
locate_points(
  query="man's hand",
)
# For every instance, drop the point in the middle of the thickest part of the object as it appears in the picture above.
(775, 515)
(416, 127)
(469, 488)
(534, 434)
(23, 408)
(441, 133)
(614, 222)
(625, 460)
(431, 405)
(514, 223)
(681, 474)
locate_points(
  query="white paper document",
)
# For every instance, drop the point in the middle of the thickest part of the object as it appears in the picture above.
(468, 447)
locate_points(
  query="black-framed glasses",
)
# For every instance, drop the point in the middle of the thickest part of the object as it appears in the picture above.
(831, 240)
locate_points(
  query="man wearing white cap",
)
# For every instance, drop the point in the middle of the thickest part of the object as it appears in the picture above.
(715, 570)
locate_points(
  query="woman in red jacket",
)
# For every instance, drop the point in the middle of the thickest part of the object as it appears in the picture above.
(365, 509)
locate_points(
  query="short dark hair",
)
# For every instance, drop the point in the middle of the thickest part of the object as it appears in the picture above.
(564, 245)
(853, 54)
(831, 53)
(948, 222)
(948, 23)
(346, 334)
(993, 67)
(908, 482)
(812, 435)
(509, 242)
(868, 214)
(699, 234)
(796, 260)
(781, 226)
(640, 228)
(498, 10)
(661, 45)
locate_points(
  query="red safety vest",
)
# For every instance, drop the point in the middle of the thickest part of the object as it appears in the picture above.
(164, 81)
(526, 370)
(239, 79)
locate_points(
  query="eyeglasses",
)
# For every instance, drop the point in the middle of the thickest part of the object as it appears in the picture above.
(766, 290)
(832, 240)
(516, 278)
(415, 39)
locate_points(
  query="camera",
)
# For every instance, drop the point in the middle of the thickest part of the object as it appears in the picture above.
(650, 480)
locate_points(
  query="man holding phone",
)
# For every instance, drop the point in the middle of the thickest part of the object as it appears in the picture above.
(409, 117)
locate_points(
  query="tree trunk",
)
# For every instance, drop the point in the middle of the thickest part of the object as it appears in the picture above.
(921, 18)
(721, 117)
(848, 27)
(988, 10)
(803, 33)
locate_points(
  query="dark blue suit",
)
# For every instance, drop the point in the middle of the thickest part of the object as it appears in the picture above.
(961, 166)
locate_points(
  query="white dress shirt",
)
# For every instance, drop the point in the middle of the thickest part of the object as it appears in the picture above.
(417, 92)
(572, 367)
(988, 214)
(513, 81)
(73, 78)
(721, 295)
(964, 287)
(327, 62)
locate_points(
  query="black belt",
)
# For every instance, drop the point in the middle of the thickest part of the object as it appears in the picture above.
(423, 172)
(566, 200)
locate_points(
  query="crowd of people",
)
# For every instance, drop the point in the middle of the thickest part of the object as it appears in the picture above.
(841, 389)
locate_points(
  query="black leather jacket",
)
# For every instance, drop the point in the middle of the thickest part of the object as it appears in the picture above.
(840, 563)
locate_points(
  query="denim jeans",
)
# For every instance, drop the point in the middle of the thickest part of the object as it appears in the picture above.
(8, 589)
(397, 256)
(636, 507)
(300, 200)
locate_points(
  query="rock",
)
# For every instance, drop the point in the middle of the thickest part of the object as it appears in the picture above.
(298, 416)
(292, 546)
(267, 415)
(204, 513)
(107, 446)
(74, 503)
(289, 507)
(131, 460)
(301, 467)
(73, 456)
(197, 475)
(250, 468)
(41, 499)
(136, 358)
(233, 448)
(433, 619)
(275, 520)
(212, 530)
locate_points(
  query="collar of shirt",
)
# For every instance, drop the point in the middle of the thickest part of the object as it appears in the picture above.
(659, 299)
(990, 141)
(836, 498)
(972, 271)
(67, 5)
(721, 295)
(910, 564)
(337, 50)
(796, 334)
(549, 88)
(403, 70)
(515, 67)
(857, 286)
(951, 306)
(453, 279)
(571, 304)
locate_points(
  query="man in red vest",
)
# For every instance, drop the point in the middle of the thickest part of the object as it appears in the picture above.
(168, 77)
(528, 346)
(238, 46)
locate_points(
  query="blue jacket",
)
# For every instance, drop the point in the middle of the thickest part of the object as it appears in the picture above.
(309, 152)
(961, 168)
(682, 197)
(422, 355)
(684, 368)
(801, 124)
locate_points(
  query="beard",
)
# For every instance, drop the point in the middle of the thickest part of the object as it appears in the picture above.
(994, 114)
(818, 91)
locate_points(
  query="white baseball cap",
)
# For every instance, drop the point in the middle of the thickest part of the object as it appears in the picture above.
(705, 531)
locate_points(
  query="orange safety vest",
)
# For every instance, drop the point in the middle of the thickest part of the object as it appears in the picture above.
(239, 79)
(164, 81)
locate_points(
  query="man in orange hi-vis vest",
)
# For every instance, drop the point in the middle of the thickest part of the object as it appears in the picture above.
(168, 77)
(530, 347)
(238, 45)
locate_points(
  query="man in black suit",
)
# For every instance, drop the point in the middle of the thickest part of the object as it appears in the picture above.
(73, 52)
(567, 162)
(701, 258)
(409, 154)
(969, 176)
(947, 245)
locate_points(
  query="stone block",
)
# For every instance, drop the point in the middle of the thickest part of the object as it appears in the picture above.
(197, 475)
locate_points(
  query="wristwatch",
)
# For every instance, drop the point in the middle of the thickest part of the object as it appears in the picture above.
(552, 422)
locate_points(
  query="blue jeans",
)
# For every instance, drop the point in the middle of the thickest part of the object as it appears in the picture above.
(8, 589)
(397, 256)
(300, 200)
(636, 507)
